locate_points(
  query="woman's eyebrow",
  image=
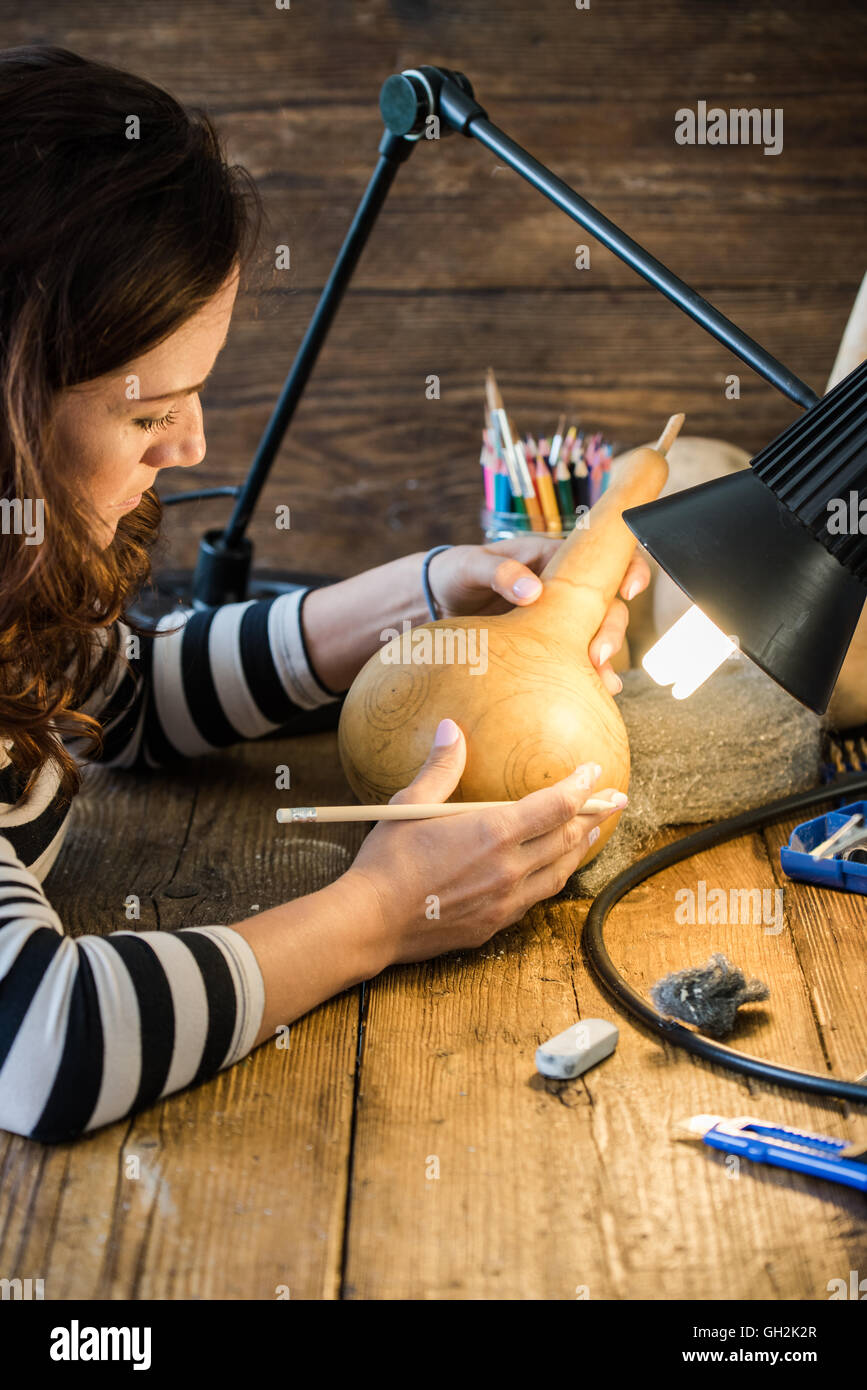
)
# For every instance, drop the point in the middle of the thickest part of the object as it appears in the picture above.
(186, 390)
(171, 395)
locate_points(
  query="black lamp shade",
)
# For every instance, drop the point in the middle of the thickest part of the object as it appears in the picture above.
(761, 554)
(756, 571)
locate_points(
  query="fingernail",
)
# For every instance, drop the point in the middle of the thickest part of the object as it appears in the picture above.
(604, 652)
(620, 799)
(594, 835)
(525, 586)
(587, 774)
(619, 684)
(447, 732)
(633, 588)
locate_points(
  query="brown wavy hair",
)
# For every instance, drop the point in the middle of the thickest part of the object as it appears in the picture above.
(107, 246)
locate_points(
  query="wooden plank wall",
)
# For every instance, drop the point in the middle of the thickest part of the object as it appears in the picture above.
(469, 266)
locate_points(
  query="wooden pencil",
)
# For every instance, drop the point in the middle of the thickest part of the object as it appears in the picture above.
(495, 406)
(560, 485)
(578, 470)
(502, 491)
(534, 510)
(563, 485)
(486, 462)
(413, 811)
(548, 496)
(556, 443)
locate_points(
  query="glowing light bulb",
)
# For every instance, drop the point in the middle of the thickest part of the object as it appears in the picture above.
(688, 653)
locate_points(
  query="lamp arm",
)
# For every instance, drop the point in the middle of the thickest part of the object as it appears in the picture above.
(224, 559)
(449, 95)
(409, 102)
(392, 153)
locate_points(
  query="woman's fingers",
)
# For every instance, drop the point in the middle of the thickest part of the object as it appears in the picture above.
(570, 838)
(538, 812)
(519, 561)
(610, 679)
(533, 550)
(637, 576)
(442, 769)
(516, 582)
(480, 578)
(549, 880)
(609, 637)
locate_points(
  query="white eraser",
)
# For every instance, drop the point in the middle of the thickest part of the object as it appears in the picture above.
(580, 1047)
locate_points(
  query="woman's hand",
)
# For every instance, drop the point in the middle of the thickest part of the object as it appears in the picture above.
(479, 580)
(418, 888)
(441, 884)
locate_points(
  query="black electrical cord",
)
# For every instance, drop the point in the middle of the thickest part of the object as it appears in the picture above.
(597, 954)
(230, 490)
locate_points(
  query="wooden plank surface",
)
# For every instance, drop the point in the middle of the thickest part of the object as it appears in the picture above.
(241, 1184)
(829, 933)
(547, 1189)
(300, 1169)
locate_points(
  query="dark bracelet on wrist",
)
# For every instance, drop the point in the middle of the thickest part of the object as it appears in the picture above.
(425, 581)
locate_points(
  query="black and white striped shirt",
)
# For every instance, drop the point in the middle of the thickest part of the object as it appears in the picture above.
(96, 1027)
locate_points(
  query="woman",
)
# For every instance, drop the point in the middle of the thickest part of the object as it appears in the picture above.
(123, 234)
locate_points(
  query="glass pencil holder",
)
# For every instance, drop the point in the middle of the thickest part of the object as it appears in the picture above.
(503, 526)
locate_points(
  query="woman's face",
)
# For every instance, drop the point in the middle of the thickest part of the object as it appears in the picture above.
(113, 434)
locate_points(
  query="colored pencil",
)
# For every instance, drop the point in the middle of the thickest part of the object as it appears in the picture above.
(548, 496)
(534, 508)
(536, 485)
(502, 491)
(510, 464)
(495, 405)
(580, 480)
(543, 472)
(563, 484)
(556, 442)
(487, 476)
(594, 469)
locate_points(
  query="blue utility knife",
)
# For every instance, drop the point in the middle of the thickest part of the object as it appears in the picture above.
(814, 1154)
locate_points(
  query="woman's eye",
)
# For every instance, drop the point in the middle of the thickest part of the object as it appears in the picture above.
(162, 423)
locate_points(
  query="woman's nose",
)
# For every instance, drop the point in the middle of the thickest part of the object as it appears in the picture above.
(185, 445)
(191, 433)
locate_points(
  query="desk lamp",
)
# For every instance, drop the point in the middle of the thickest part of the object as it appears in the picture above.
(775, 552)
(753, 550)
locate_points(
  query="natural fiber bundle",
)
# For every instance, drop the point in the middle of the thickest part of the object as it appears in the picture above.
(738, 742)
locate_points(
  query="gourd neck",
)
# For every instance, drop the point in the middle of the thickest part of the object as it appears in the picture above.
(586, 571)
(570, 612)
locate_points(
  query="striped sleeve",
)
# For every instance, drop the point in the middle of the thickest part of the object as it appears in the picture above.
(223, 675)
(98, 1027)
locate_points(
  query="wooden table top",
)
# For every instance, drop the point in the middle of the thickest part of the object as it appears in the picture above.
(403, 1145)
